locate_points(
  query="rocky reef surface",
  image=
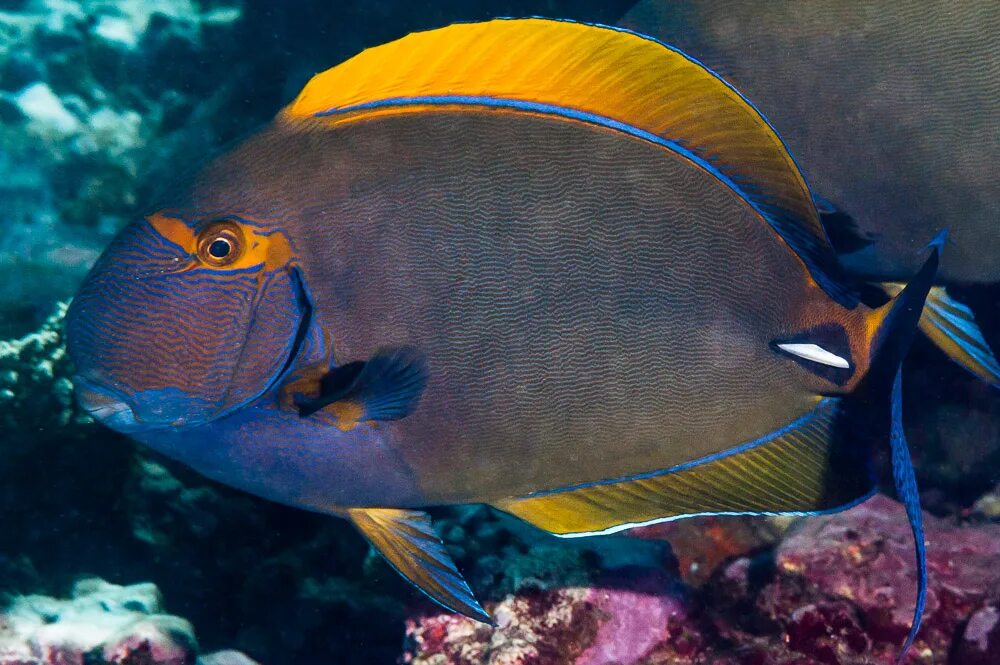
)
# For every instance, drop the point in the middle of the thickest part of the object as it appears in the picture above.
(89, 92)
(837, 590)
(99, 623)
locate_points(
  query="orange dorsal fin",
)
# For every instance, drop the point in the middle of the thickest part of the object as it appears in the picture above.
(599, 71)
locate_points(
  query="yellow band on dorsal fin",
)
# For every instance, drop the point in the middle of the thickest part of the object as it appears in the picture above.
(594, 70)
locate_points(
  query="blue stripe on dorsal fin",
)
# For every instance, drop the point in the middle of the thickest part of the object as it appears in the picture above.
(599, 73)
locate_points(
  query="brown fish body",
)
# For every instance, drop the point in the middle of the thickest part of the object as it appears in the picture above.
(591, 305)
(561, 269)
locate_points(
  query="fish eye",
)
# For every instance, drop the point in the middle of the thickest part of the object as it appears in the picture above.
(219, 249)
(220, 243)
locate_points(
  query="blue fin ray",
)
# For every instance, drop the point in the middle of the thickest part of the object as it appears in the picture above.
(906, 489)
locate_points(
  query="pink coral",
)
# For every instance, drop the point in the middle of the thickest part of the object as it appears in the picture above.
(838, 591)
(865, 556)
(623, 618)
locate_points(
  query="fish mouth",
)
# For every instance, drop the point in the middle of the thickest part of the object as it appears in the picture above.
(108, 406)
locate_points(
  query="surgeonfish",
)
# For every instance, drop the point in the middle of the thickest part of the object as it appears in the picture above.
(893, 111)
(560, 269)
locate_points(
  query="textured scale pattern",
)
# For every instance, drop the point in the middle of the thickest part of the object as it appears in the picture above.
(563, 281)
(892, 109)
(206, 345)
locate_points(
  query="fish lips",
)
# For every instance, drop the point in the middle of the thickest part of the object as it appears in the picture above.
(149, 410)
(105, 405)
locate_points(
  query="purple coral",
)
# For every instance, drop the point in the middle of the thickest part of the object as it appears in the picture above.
(839, 590)
(865, 556)
(622, 618)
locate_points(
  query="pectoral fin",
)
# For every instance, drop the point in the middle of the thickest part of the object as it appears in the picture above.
(408, 542)
(801, 469)
(385, 387)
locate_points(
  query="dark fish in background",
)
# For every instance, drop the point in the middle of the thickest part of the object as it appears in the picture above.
(556, 268)
(892, 110)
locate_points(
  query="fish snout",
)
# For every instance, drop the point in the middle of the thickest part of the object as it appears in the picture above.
(146, 410)
(104, 404)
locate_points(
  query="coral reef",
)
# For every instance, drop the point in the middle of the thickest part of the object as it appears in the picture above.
(700, 544)
(837, 590)
(988, 505)
(865, 557)
(88, 92)
(36, 395)
(226, 658)
(99, 624)
(622, 617)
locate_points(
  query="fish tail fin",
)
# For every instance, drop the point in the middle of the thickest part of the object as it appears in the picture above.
(898, 323)
(951, 326)
(906, 489)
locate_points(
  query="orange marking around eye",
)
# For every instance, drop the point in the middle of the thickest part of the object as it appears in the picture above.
(273, 250)
(277, 251)
(174, 230)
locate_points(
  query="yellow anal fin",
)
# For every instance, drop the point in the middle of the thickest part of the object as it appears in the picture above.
(953, 329)
(594, 70)
(409, 543)
(799, 470)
